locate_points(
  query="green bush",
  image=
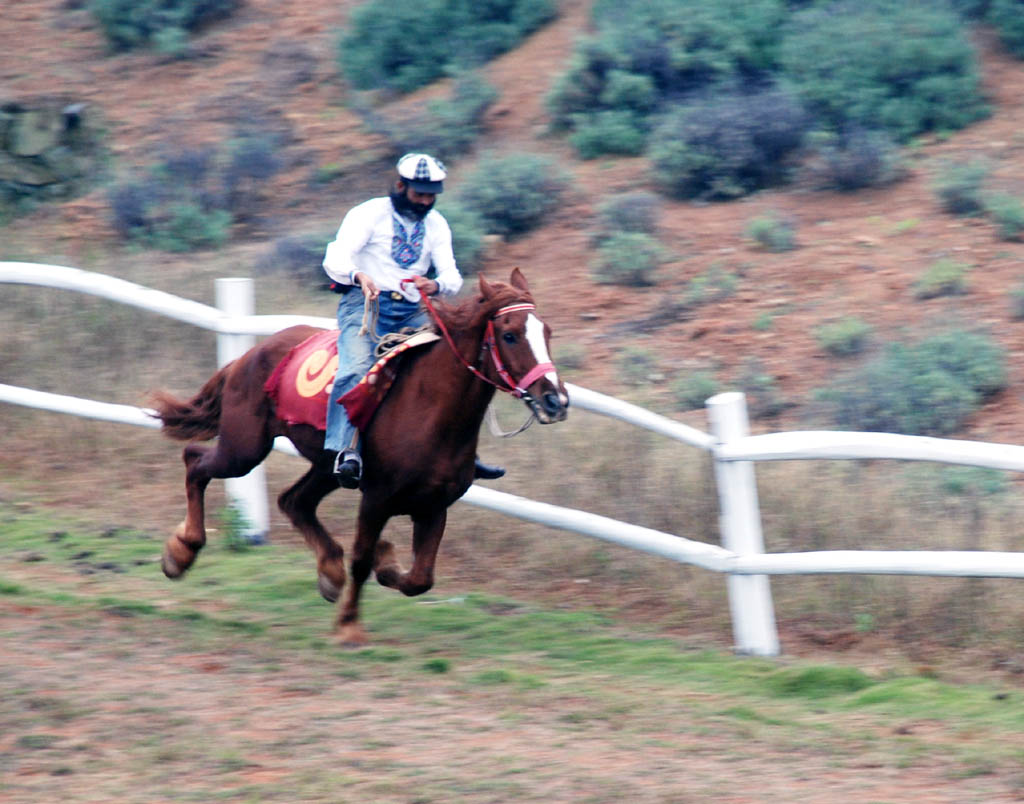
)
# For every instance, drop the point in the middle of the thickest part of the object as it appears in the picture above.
(468, 230)
(187, 226)
(1008, 213)
(646, 54)
(165, 23)
(637, 211)
(1017, 302)
(959, 186)
(943, 278)
(712, 285)
(1007, 17)
(854, 159)
(727, 145)
(627, 258)
(402, 44)
(298, 256)
(693, 390)
(772, 233)
(192, 198)
(636, 365)
(764, 400)
(446, 128)
(514, 193)
(845, 337)
(905, 68)
(929, 388)
(609, 131)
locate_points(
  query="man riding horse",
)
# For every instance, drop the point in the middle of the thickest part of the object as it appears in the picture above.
(380, 243)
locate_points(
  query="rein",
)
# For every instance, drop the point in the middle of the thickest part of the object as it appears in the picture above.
(517, 389)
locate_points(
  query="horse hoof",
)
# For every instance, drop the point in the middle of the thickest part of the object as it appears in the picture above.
(329, 591)
(170, 567)
(352, 636)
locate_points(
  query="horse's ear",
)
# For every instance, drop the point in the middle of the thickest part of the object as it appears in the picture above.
(485, 288)
(518, 280)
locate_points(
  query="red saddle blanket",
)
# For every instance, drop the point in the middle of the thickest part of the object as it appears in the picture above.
(300, 385)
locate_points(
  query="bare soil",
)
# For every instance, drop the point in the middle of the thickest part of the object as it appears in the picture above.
(858, 255)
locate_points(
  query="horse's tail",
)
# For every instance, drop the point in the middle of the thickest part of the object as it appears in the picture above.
(198, 419)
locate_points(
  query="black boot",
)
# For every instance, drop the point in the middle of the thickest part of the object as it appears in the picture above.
(485, 472)
(348, 469)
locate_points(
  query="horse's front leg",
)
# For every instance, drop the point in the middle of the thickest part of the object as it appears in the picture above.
(371, 523)
(428, 528)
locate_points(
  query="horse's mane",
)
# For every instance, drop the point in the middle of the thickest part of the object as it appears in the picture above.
(471, 312)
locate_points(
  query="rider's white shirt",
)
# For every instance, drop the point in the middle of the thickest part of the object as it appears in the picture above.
(363, 243)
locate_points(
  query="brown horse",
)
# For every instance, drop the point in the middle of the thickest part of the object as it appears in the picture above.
(418, 450)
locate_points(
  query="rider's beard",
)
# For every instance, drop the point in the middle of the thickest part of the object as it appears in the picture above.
(403, 206)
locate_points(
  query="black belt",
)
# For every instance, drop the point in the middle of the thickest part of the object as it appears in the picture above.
(394, 295)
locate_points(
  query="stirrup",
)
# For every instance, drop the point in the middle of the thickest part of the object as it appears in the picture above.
(348, 468)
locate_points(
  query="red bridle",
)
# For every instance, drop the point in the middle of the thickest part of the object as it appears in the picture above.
(517, 389)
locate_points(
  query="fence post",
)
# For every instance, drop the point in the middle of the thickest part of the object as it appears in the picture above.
(750, 597)
(236, 296)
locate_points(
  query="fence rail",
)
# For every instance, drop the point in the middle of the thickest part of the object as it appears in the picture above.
(741, 557)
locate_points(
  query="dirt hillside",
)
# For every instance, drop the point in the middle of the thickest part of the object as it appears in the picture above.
(859, 254)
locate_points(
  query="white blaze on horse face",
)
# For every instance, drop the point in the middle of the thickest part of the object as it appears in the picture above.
(535, 337)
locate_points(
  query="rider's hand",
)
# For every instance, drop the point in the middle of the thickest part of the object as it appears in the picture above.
(426, 287)
(370, 289)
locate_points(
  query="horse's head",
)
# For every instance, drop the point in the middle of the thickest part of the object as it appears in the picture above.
(518, 341)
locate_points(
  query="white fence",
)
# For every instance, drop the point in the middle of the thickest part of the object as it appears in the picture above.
(741, 555)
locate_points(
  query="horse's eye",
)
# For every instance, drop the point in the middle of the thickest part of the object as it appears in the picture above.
(509, 337)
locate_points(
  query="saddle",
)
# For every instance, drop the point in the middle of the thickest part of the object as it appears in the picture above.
(300, 384)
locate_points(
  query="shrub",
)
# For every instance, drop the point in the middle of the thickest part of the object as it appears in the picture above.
(609, 131)
(636, 365)
(468, 231)
(299, 256)
(1017, 302)
(845, 337)
(191, 198)
(958, 186)
(764, 400)
(1007, 17)
(646, 54)
(772, 233)
(925, 389)
(570, 356)
(186, 226)
(693, 390)
(628, 258)
(134, 23)
(943, 278)
(403, 45)
(630, 212)
(1008, 213)
(728, 145)
(712, 285)
(446, 128)
(855, 160)
(514, 193)
(905, 68)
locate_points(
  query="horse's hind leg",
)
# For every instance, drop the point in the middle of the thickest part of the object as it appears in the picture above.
(299, 504)
(202, 464)
(428, 529)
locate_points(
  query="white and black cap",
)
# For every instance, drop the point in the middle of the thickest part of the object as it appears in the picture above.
(423, 173)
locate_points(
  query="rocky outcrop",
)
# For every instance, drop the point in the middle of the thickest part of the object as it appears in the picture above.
(48, 149)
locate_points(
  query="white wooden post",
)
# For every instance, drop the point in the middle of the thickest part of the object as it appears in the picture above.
(236, 296)
(750, 597)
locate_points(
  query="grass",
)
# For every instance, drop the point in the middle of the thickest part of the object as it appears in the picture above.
(243, 678)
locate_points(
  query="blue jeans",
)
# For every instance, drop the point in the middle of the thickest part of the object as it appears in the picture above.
(355, 355)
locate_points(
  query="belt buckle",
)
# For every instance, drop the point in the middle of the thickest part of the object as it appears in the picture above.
(396, 296)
